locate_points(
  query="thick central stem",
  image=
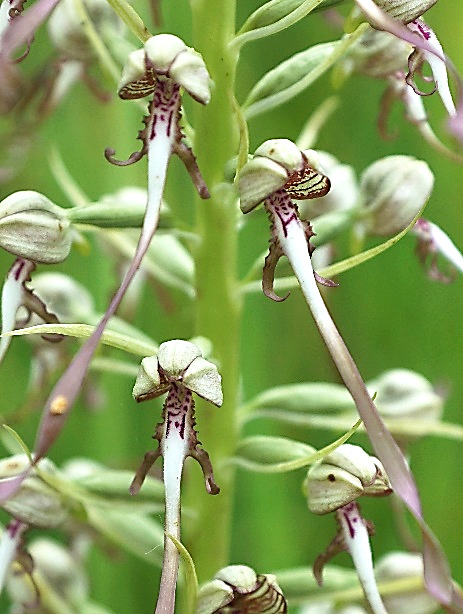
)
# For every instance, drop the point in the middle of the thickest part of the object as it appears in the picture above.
(218, 306)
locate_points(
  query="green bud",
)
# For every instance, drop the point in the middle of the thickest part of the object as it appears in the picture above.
(393, 190)
(33, 227)
(401, 393)
(69, 300)
(35, 503)
(377, 54)
(60, 569)
(400, 566)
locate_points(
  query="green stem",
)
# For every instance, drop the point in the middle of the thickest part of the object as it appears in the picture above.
(218, 306)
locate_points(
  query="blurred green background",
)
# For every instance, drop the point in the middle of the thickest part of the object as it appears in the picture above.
(389, 312)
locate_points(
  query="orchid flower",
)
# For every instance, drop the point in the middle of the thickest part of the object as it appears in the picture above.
(179, 369)
(34, 229)
(402, 18)
(383, 55)
(334, 485)
(278, 172)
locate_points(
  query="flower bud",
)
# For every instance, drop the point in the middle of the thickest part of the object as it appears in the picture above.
(274, 161)
(33, 227)
(405, 10)
(343, 476)
(401, 393)
(66, 30)
(400, 566)
(180, 362)
(35, 503)
(69, 300)
(124, 208)
(56, 572)
(242, 590)
(393, 190)
(377, 54)
(61, 570)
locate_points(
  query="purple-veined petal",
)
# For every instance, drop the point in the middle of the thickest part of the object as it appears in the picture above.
(292, 240)
(12, 298)
(161, 129)
(436, 61)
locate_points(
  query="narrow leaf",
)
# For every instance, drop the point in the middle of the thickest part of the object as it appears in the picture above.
(190, 575)
(131, 19)
(268, 454)
(85, 331)
(273, 17)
